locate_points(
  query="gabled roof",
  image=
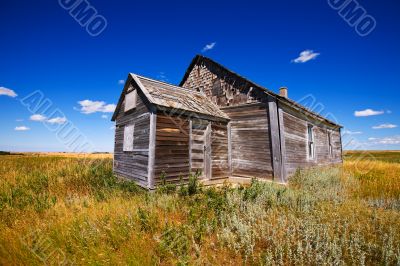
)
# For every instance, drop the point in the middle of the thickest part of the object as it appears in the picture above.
(199, 59)
(172, 97)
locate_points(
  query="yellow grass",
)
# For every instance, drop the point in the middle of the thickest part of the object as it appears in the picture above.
(69, 155)
(61, 208)
(377, 179)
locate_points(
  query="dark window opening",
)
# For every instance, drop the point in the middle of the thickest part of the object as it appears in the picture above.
(311, 146)
(216, 88)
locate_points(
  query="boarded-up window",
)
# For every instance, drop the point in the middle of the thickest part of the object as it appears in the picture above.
(311, 147)
(128, 137)
(130, 100)
(330, 144)
(216, 88)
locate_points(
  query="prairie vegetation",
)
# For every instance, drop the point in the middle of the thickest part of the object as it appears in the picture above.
(64, 209)
(384, 156)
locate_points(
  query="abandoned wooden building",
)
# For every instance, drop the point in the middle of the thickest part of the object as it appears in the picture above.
(218, 123)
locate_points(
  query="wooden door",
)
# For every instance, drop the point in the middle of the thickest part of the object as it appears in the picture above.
(207, 152)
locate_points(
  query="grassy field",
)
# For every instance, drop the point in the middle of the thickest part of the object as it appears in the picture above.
(63, 209)
(384, 156)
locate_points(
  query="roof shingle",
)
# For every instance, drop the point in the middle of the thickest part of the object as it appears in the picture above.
(174, 97)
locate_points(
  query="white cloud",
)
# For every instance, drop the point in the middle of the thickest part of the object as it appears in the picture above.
(38, 118)
(385, 141)
(367, 112)
(22, 128)
(112, 128)
(384, 126)
(7, 92)
(209, 47)
(104, 116)
(57, 120)
(348, 132)
(121, 82)
(374, 143)
(42, 118)
(109, 108)
(89, 107)
(306, 56)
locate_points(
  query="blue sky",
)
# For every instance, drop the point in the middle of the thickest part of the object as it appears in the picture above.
(44, 48)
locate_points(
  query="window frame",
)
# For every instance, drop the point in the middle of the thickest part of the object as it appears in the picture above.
(330, 146)
(310, 142)
(131, 98)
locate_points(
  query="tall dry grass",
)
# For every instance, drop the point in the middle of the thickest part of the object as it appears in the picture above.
(56, 209)
(378, 182)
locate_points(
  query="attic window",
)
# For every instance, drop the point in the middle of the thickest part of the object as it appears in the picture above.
(216, 88)
(130, 100)
(128, 138)
(311, 146)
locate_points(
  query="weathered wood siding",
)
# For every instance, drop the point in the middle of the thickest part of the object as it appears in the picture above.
(250, 140)
(219, 150)
(296, 143)
(223, 88)
(255, 150)
(337, 146)
(133, 165)
(250, 137)
(172, 148)
(266, 136)
(295, 137)
(199, 128)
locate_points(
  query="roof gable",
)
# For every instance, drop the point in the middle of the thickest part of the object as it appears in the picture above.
(201, 60)
(122, 97)
(172, 97)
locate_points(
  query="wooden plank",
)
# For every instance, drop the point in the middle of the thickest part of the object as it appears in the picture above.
(341, 146)
(207, 152)
(250, 146)
(173, 143)
(274, 137)
(296, 141)
(152, 148)
(190, 144)
(219, 150)
(283, 145)
(133, 164)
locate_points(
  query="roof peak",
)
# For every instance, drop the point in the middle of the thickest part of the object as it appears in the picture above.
(200, 58)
